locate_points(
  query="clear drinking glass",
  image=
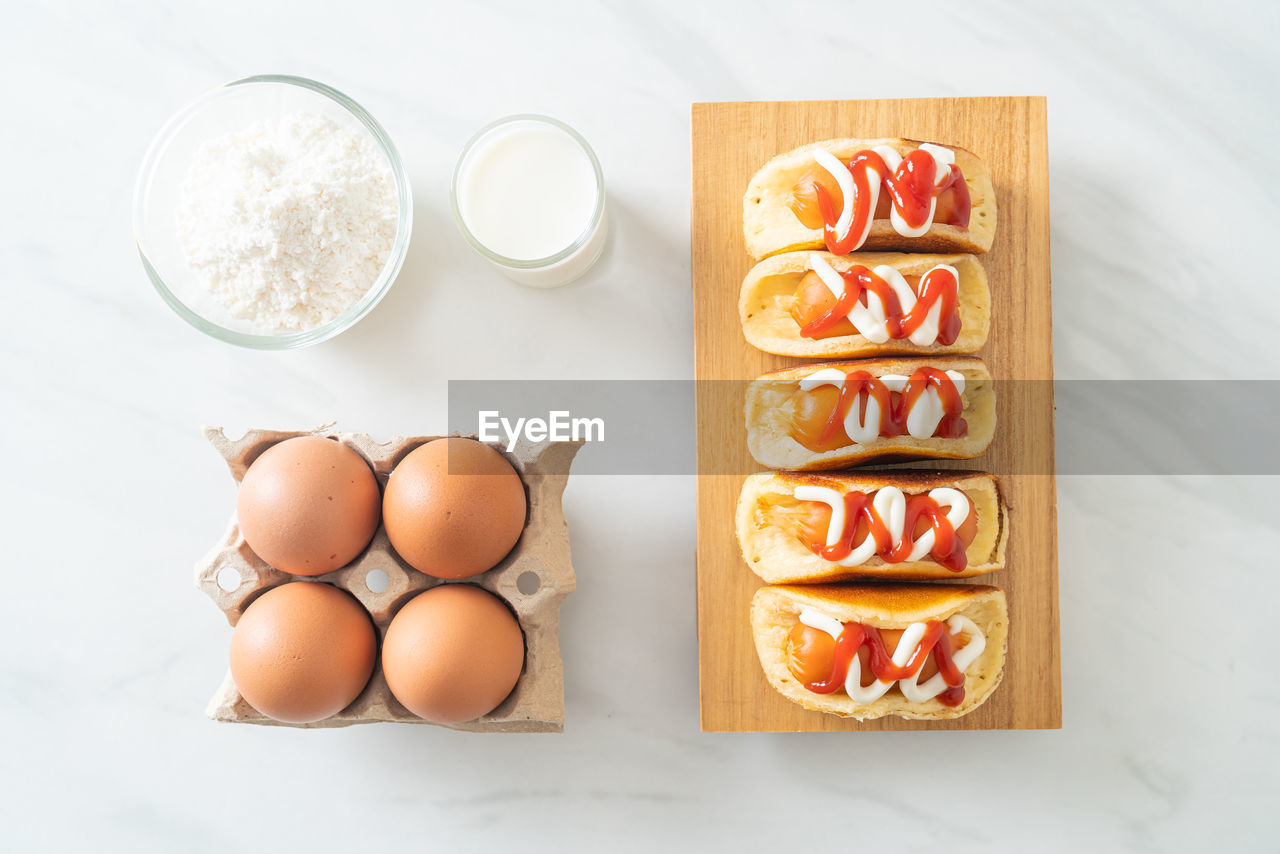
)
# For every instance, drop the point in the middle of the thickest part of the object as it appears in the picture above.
(567, 262)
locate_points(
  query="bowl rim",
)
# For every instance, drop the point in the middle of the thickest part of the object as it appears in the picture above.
(578, 242)
(345, 320)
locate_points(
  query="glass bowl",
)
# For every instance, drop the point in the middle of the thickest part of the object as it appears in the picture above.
(227, 109)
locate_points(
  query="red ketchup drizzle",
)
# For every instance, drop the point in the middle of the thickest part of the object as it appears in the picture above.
(910, 186)
(855, 635)
(893, 419)
(937, 286)
(948, 549)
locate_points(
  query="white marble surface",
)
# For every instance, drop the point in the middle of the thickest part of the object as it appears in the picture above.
(1164, 190)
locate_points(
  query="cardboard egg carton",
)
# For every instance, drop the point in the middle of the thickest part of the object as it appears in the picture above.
(537, 702)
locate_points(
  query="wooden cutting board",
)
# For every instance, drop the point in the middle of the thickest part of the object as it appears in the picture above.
(730, 142)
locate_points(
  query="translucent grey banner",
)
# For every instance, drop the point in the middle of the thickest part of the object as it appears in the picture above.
(1095, 427)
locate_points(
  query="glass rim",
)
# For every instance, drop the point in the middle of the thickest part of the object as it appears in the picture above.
(377, 289)
(578, 242)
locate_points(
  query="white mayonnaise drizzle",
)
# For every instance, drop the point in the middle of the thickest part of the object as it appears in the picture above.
(870, 318)
(844, 178)
(910, 687)
(922, 420)
(815, 619)
(891, 506)
(942, 160)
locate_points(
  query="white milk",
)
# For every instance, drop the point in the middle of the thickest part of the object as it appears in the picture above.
(527, 192)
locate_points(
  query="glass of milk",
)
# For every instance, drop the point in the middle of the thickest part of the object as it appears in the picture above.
(528, 194)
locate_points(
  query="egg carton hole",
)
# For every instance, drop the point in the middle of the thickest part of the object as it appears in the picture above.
(229, 579)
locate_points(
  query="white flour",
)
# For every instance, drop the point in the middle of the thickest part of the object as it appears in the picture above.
(287, 224)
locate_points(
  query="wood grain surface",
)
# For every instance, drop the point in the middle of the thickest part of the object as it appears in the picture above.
(730, 141)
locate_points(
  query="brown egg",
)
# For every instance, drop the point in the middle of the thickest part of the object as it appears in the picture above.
(453, 653)
(453, 508)
(302, 652)
(308, 505)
